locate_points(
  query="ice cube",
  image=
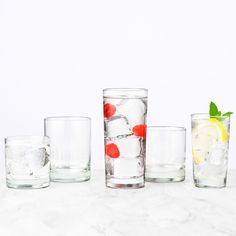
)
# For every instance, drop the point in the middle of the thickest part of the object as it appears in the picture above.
(121, 102)
(116, 126)
(16, 168)
(110, 166)
(217, 156)
(130, 146)
(36, 158)
(207, 170)
(15, 161)
(125, 167)
(134, 110)
(202, 170)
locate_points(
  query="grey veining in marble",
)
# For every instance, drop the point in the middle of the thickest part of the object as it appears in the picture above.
(90, 208)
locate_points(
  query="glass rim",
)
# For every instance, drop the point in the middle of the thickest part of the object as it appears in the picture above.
(125, 93)
(125, 89)
(64, 118)
(207, 115)
(27, 137)
(166, 128)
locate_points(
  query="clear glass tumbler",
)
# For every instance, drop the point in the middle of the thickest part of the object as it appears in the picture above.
(210, 144)
(27, 161)
(70, 148)
(125, 113)
(165, 154)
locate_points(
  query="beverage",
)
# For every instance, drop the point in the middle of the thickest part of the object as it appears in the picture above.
(27, 161)
(125, 113)
(210, 144)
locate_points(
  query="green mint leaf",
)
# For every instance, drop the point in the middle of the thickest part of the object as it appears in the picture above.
(213, 111)
(221, 118)
(228, 113)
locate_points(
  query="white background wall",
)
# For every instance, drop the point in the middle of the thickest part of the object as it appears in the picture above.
(56, 56)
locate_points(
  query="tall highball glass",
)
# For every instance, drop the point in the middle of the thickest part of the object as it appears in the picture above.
(210, 145)
(125, 111)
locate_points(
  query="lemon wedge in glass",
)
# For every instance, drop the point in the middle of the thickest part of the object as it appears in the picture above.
(205, 135)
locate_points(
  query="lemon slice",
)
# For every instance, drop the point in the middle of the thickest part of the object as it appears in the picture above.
(223, 132)
(196, 158)
(205, 135)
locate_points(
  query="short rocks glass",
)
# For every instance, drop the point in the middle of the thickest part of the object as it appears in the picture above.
(27, 161)
(70, 147)
(165, 158)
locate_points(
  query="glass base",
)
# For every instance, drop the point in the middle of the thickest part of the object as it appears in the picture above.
(133, 183)
(165, 173)
(210, 183)
(164, 180)
(27, 184)
(68, 175)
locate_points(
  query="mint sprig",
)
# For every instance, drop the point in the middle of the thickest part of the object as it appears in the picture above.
(228, 113)
(214, 112)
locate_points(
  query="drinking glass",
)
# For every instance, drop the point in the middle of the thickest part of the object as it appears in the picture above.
(165, 158)
(210, 144)
(125, 113)
(70, 148)
(27, 161)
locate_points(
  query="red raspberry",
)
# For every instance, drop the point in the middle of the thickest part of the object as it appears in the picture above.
(109, 110)
(140, 130)
(112, 150)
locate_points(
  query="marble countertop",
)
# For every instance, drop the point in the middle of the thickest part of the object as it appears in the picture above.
(89, 208)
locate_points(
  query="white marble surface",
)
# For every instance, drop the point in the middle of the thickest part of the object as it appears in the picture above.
(90, 208)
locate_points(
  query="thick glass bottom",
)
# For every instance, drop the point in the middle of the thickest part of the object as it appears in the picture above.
(165, 173)
(126, 183)
(27, 184)
(165, 180)
(210, 183)
(69, 175)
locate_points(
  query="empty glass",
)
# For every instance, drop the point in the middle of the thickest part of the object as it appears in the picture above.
(165, 154)
(70, 148)
(125, 136)
(27, 161)
(210, 145)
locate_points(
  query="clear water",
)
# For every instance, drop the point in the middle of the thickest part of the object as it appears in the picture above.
(212, 170)
(27, 165)
(128, 168)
